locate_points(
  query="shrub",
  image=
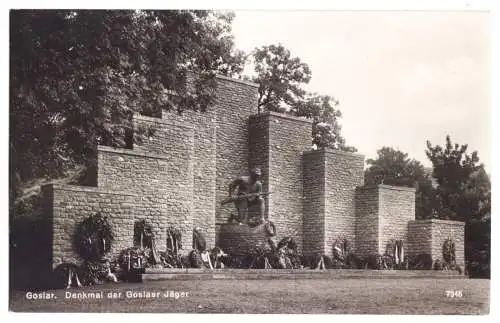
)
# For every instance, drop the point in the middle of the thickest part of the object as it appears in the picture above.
(439, 265)
(353, 261)
(449, 251)
(422, 261)
(374, 262)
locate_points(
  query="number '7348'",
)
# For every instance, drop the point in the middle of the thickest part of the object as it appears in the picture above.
(454, 293)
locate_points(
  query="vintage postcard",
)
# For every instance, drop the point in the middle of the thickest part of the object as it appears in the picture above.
(252, 162)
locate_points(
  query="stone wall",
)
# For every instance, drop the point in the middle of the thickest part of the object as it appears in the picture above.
(204, 168)
(72, 204)
(164, 183)
(314, 202)
(330, 180)
(236, 100)
(396, 209)
(258, 153)
(419, 238)
(443, 230)
(179, 175)
(344, 172)
(428, 236)
(280, 151)
(367, 220)
(383, 213)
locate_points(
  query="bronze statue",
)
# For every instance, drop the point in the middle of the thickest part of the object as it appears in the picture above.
(247, 191)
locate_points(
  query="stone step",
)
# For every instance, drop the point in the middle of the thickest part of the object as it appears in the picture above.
(204, 274)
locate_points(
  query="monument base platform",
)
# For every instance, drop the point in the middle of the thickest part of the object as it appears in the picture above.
(230, 273)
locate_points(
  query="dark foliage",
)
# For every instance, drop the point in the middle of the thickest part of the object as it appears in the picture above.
(478, 247)
(422, 261)
(77, 77)
(464, 188)
(195, 260)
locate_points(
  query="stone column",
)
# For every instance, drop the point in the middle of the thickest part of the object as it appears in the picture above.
(330, 180)
(382, 214)
(276, 143)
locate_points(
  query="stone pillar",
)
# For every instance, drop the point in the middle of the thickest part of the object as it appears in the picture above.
(367, 220)
(330, 180)
(314, 202)
(396, 209)
(276, 143)
(382, 214)
(428, 236)
(235, 100)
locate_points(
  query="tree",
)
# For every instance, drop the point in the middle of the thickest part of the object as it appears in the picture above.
(464, 188)
(281, 78)
(393, 167)
(464, 194)
(77, 77)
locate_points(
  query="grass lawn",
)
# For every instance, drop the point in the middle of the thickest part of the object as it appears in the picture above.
(341, 296)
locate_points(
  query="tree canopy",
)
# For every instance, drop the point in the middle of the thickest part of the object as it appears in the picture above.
(464, 188)
(76, 77)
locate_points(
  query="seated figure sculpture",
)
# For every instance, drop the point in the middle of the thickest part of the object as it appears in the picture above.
(247, 191)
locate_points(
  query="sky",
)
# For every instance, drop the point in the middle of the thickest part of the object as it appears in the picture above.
(402, 78)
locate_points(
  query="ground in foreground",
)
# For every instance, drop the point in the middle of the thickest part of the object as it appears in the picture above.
(342, 296)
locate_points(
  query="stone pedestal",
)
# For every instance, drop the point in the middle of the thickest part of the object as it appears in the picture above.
(236, 239)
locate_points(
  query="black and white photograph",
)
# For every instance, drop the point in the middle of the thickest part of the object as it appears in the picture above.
(250, 161)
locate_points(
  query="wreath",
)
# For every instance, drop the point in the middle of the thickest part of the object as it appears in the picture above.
(93, 237)
(289, 243)
(143, 234)
(449, 251)
(174, 240)
(340, 248)
(270, 229)
(199, 242)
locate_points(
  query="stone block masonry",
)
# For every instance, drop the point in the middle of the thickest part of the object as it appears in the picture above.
(344, 172)
(419, 237)
(235, 101)
(178, 174)
(330, 180)
(367, 220)
(314, 202)
(396, 209)
(164, 182)
(204, 168)
(72, 204)
(383, 213)
(276, 143)
(428, 236)
(154, 183)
